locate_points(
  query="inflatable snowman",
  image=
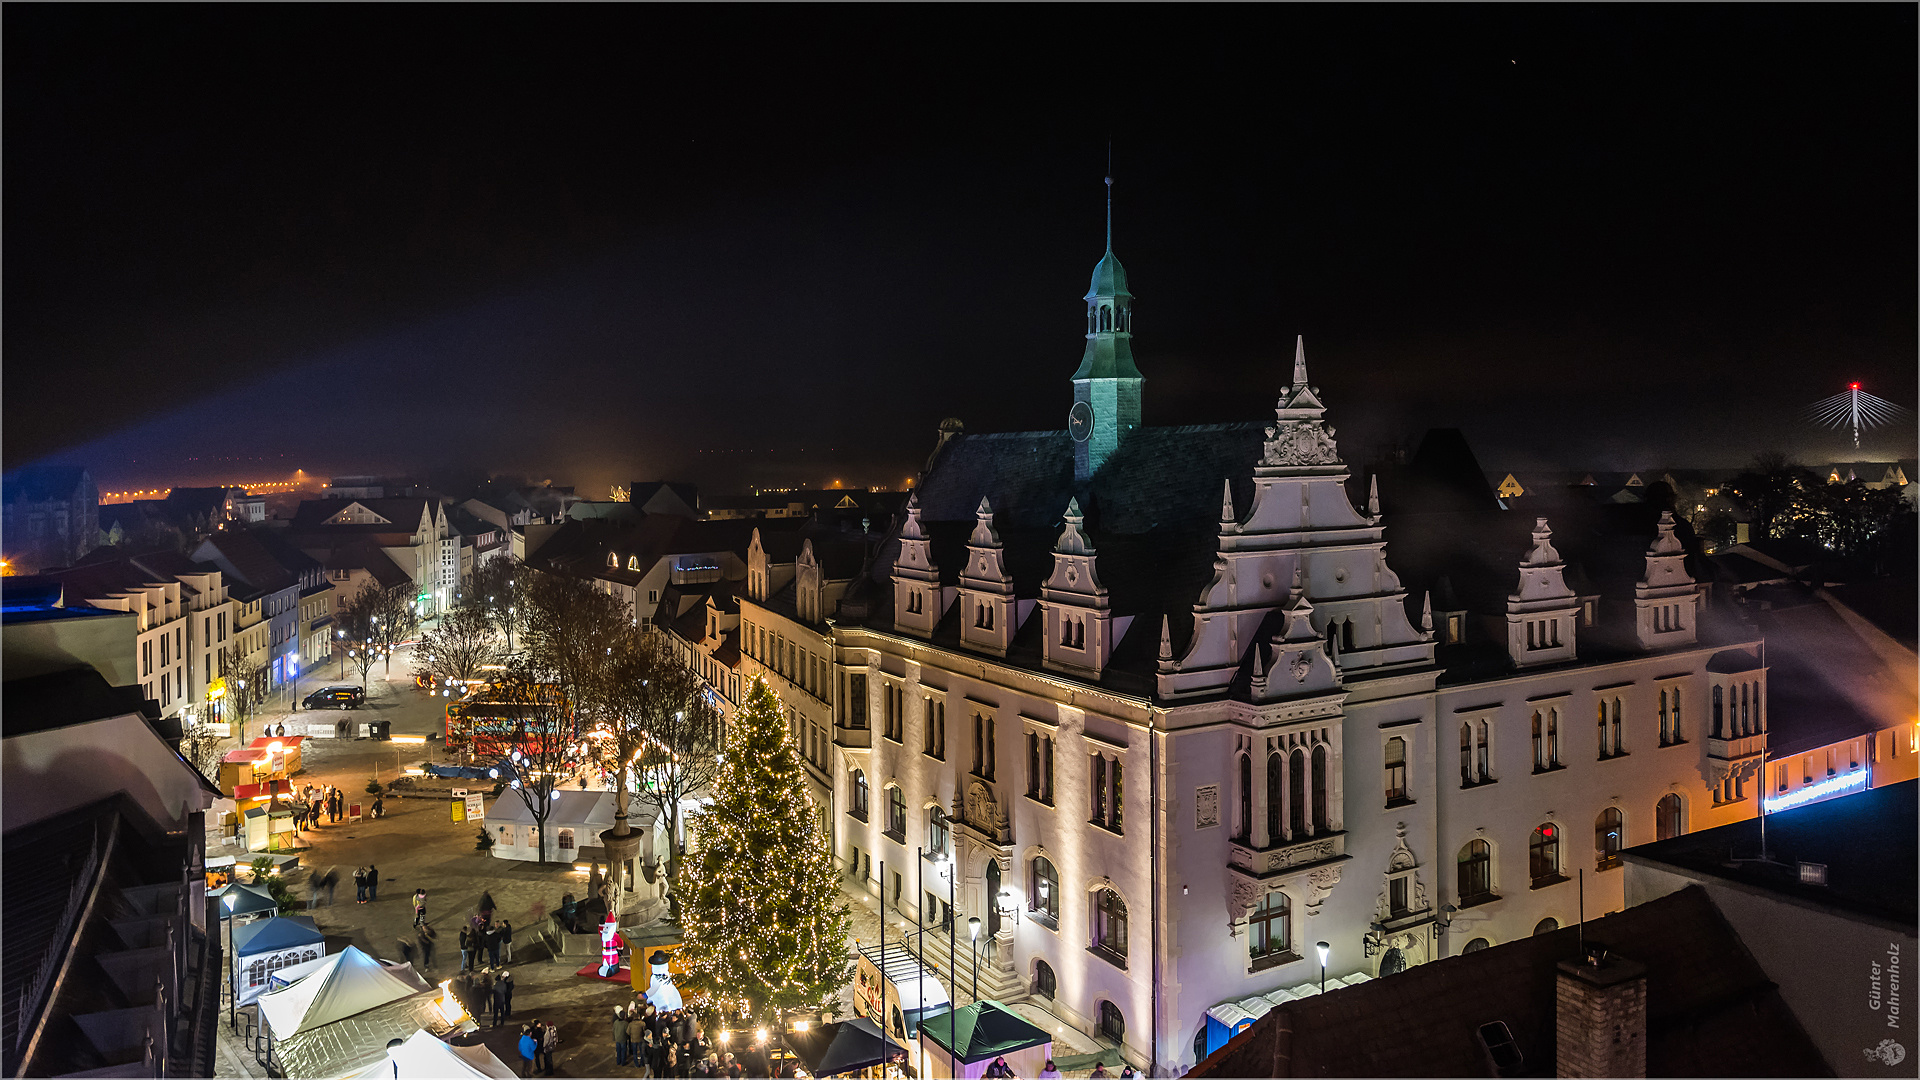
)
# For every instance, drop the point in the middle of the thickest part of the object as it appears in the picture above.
(661, 993)
(610, 945)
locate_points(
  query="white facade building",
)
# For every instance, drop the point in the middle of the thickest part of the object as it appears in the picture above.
(1168, 700)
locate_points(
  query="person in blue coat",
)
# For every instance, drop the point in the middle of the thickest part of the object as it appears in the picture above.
(529, 1046)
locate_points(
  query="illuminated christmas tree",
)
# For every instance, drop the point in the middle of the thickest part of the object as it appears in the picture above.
(764, 925)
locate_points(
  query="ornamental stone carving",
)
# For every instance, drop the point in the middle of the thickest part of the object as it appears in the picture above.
(1320, 885)
(1300, 442)
(1245, 895)
(1302, 667)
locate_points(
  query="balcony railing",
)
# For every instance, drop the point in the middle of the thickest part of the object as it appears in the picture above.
(1736, 749)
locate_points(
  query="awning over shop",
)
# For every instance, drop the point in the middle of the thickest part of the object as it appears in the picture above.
(843, 1046)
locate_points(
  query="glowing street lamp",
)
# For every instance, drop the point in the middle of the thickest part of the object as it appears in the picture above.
(973, 934)
(1325, 950)
(233, 1021)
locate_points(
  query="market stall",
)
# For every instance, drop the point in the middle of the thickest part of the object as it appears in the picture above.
(348, 983)
(270, 945)
(426, 1057)
(961, 1043)
(249, 902)
(852, 1047)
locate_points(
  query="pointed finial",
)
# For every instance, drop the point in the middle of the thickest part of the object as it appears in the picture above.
(1426, 613)
(1227, 513)
(1074, 514)
(1166, 637)
(985, 509)
(1300, 360)
(1110, 196)
(1373, 495)
(1259, 668)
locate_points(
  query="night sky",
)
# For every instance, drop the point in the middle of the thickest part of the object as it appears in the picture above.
(780, 244)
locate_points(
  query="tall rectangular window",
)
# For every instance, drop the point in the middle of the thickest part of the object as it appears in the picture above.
(857, 701)
(983, 746)
(1040, 767)
(1396, 765)
(1098, 768)
(936, 728)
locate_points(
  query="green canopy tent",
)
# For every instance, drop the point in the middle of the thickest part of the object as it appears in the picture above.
(963, 1042)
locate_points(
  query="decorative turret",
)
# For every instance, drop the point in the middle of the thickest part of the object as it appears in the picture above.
(1079, 627)
(1665, 599)
(1106, 388)
(1542, 612)
(988, 611)
(917, 597)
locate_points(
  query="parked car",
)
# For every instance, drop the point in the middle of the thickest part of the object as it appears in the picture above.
(335, 697)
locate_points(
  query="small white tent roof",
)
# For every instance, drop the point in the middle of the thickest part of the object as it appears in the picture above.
(345, 984)
(571, 808)
(423, 1057)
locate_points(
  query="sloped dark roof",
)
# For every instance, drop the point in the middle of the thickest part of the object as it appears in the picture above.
(364, 554)
(253, 562)
(1711, 1011)
(1824, 682)
(46, 483)
(1160, 477)
(60, 699)
(1865, 840)
(639, 492)
(1892, 604)
(404, 512)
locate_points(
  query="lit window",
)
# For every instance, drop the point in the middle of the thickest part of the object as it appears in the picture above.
(1269, 928)
(1543, 855)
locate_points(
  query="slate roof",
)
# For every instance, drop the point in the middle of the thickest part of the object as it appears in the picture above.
(404, 512)
(1865, 840)
(1711, 1011)
(1824, 684)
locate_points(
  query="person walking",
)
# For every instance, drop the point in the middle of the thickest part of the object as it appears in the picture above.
(360, 884)
(496, 997)
(1048, 1072)
(406, 951)
(466, 948)
(420, 906)
(486, 907)
(504, 987)
(379, 807)
(619, 1035)
(426, 948)
(529, 1046)
(373, 883)
(500, 935)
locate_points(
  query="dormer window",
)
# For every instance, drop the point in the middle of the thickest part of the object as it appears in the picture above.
(1073, 632)
(633, 562)
(613, 560)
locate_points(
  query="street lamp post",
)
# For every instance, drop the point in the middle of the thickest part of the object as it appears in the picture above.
(392, 1045)
(973, 934)
(1324, 950)
(233, 975)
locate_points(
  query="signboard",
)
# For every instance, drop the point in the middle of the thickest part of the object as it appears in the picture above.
(459, 804)
(353, 812)
(476, 807)
(1206, 806)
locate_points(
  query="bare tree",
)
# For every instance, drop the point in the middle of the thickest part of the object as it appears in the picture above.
(675, 730)
(356, 629)
(245, 689)
(499, 586)
(396, 618)
(458, 649)
(571, 631)
(203, 750)
(538, 723)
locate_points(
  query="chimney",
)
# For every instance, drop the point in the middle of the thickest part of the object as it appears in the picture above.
(1600, 1017)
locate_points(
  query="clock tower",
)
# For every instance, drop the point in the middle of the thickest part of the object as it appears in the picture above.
(1106, 388)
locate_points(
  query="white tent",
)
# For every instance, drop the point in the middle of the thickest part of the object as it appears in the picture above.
(345, 984)
(268, 946)
(424, 1057)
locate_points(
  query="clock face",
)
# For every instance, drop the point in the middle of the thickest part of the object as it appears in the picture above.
(1080, 421)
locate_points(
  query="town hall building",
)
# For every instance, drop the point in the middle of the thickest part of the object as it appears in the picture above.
(1174, 704)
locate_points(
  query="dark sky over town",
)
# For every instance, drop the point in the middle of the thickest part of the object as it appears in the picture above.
(781, 244)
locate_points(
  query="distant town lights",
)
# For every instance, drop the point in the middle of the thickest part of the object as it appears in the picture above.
(1821, 790)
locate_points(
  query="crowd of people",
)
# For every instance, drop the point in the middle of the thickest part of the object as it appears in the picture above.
(667, 1044)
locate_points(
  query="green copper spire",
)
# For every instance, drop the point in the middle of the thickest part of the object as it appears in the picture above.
(1106, 387)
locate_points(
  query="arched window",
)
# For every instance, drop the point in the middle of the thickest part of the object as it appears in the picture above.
(1276, 797)
(1543, 855)
(1475, 878)
(859, 794)
(1112, 1024)
(1044, 983)
(1476, 945)
(1110, 922)
(1719, 732)
(1044, 901)
(1346, 635)
(936, 831)
(1546, 926)
(1609, 836)
(1297, 792)
(1396, 769)
(1244, 828)
(1320, 781)
(1270, 928)
(1666, 816)
(897, 812)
